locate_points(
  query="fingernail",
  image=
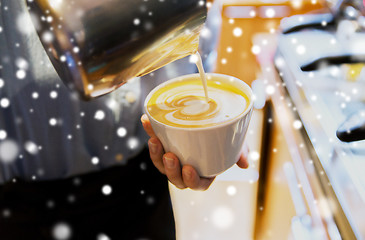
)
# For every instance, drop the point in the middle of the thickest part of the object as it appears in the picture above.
(169, 162)
(153, 147)
(187, 174)
(144, 118)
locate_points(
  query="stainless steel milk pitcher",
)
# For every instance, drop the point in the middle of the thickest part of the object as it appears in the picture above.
(98, 45)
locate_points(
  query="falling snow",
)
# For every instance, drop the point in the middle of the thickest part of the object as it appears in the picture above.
(223, 217)
(21, 63)
(53, 94)
(205, 33)
(99, 115)
(71, 198)
(237, 32)
(231, 190)
(133, 143)
(106, 189)
(6, 213)
(143, 166)
(254, 155)
(102, 236)
(61, 231)
(3, 134)
(4, 102)
(193, 58)
(47, 36)
(8, 151)
(297, 124)
(21, 74)
(94, 160)
(256, 49)
(150, 200)
(122, 132)
(49, 19)
(77, 181)
(35, 95)
(130, 97)
(31, 147)
(136, 21)
(270, 89)
(300, 49)
(52, 122)
(270, 13)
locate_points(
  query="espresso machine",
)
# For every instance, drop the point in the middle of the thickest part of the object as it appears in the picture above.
(320, 67)
(345, 18)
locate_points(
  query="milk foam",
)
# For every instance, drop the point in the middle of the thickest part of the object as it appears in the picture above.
(185, 105)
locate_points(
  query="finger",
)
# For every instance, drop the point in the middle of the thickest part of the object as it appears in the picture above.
(243, 160)
(193, 180)
(147, 126)
(156, 153)
(173, 170)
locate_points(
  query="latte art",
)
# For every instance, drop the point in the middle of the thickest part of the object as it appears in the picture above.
(183, 103)
(190, 108)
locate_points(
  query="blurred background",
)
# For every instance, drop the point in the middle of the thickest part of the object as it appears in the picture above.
(304, 60)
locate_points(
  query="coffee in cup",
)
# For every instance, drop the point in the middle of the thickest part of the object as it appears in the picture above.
(183, 104)
(205, 133)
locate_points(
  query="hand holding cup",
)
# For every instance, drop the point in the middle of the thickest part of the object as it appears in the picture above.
(168, 163)
(205, 135)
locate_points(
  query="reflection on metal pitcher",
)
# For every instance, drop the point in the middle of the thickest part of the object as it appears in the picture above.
(97, 46)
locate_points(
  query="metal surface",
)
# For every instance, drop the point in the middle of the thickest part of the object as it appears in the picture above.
(353, 10)
(302, 223)
(318, 99)
(304, 160)
(96, 46)
(339, 6)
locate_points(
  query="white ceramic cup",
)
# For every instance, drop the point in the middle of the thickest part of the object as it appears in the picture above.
(210, 150)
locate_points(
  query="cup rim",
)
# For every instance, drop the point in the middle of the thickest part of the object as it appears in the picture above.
(246, 87)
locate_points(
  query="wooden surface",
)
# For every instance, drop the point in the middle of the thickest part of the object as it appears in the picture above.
(274, 215)
(235, 55)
